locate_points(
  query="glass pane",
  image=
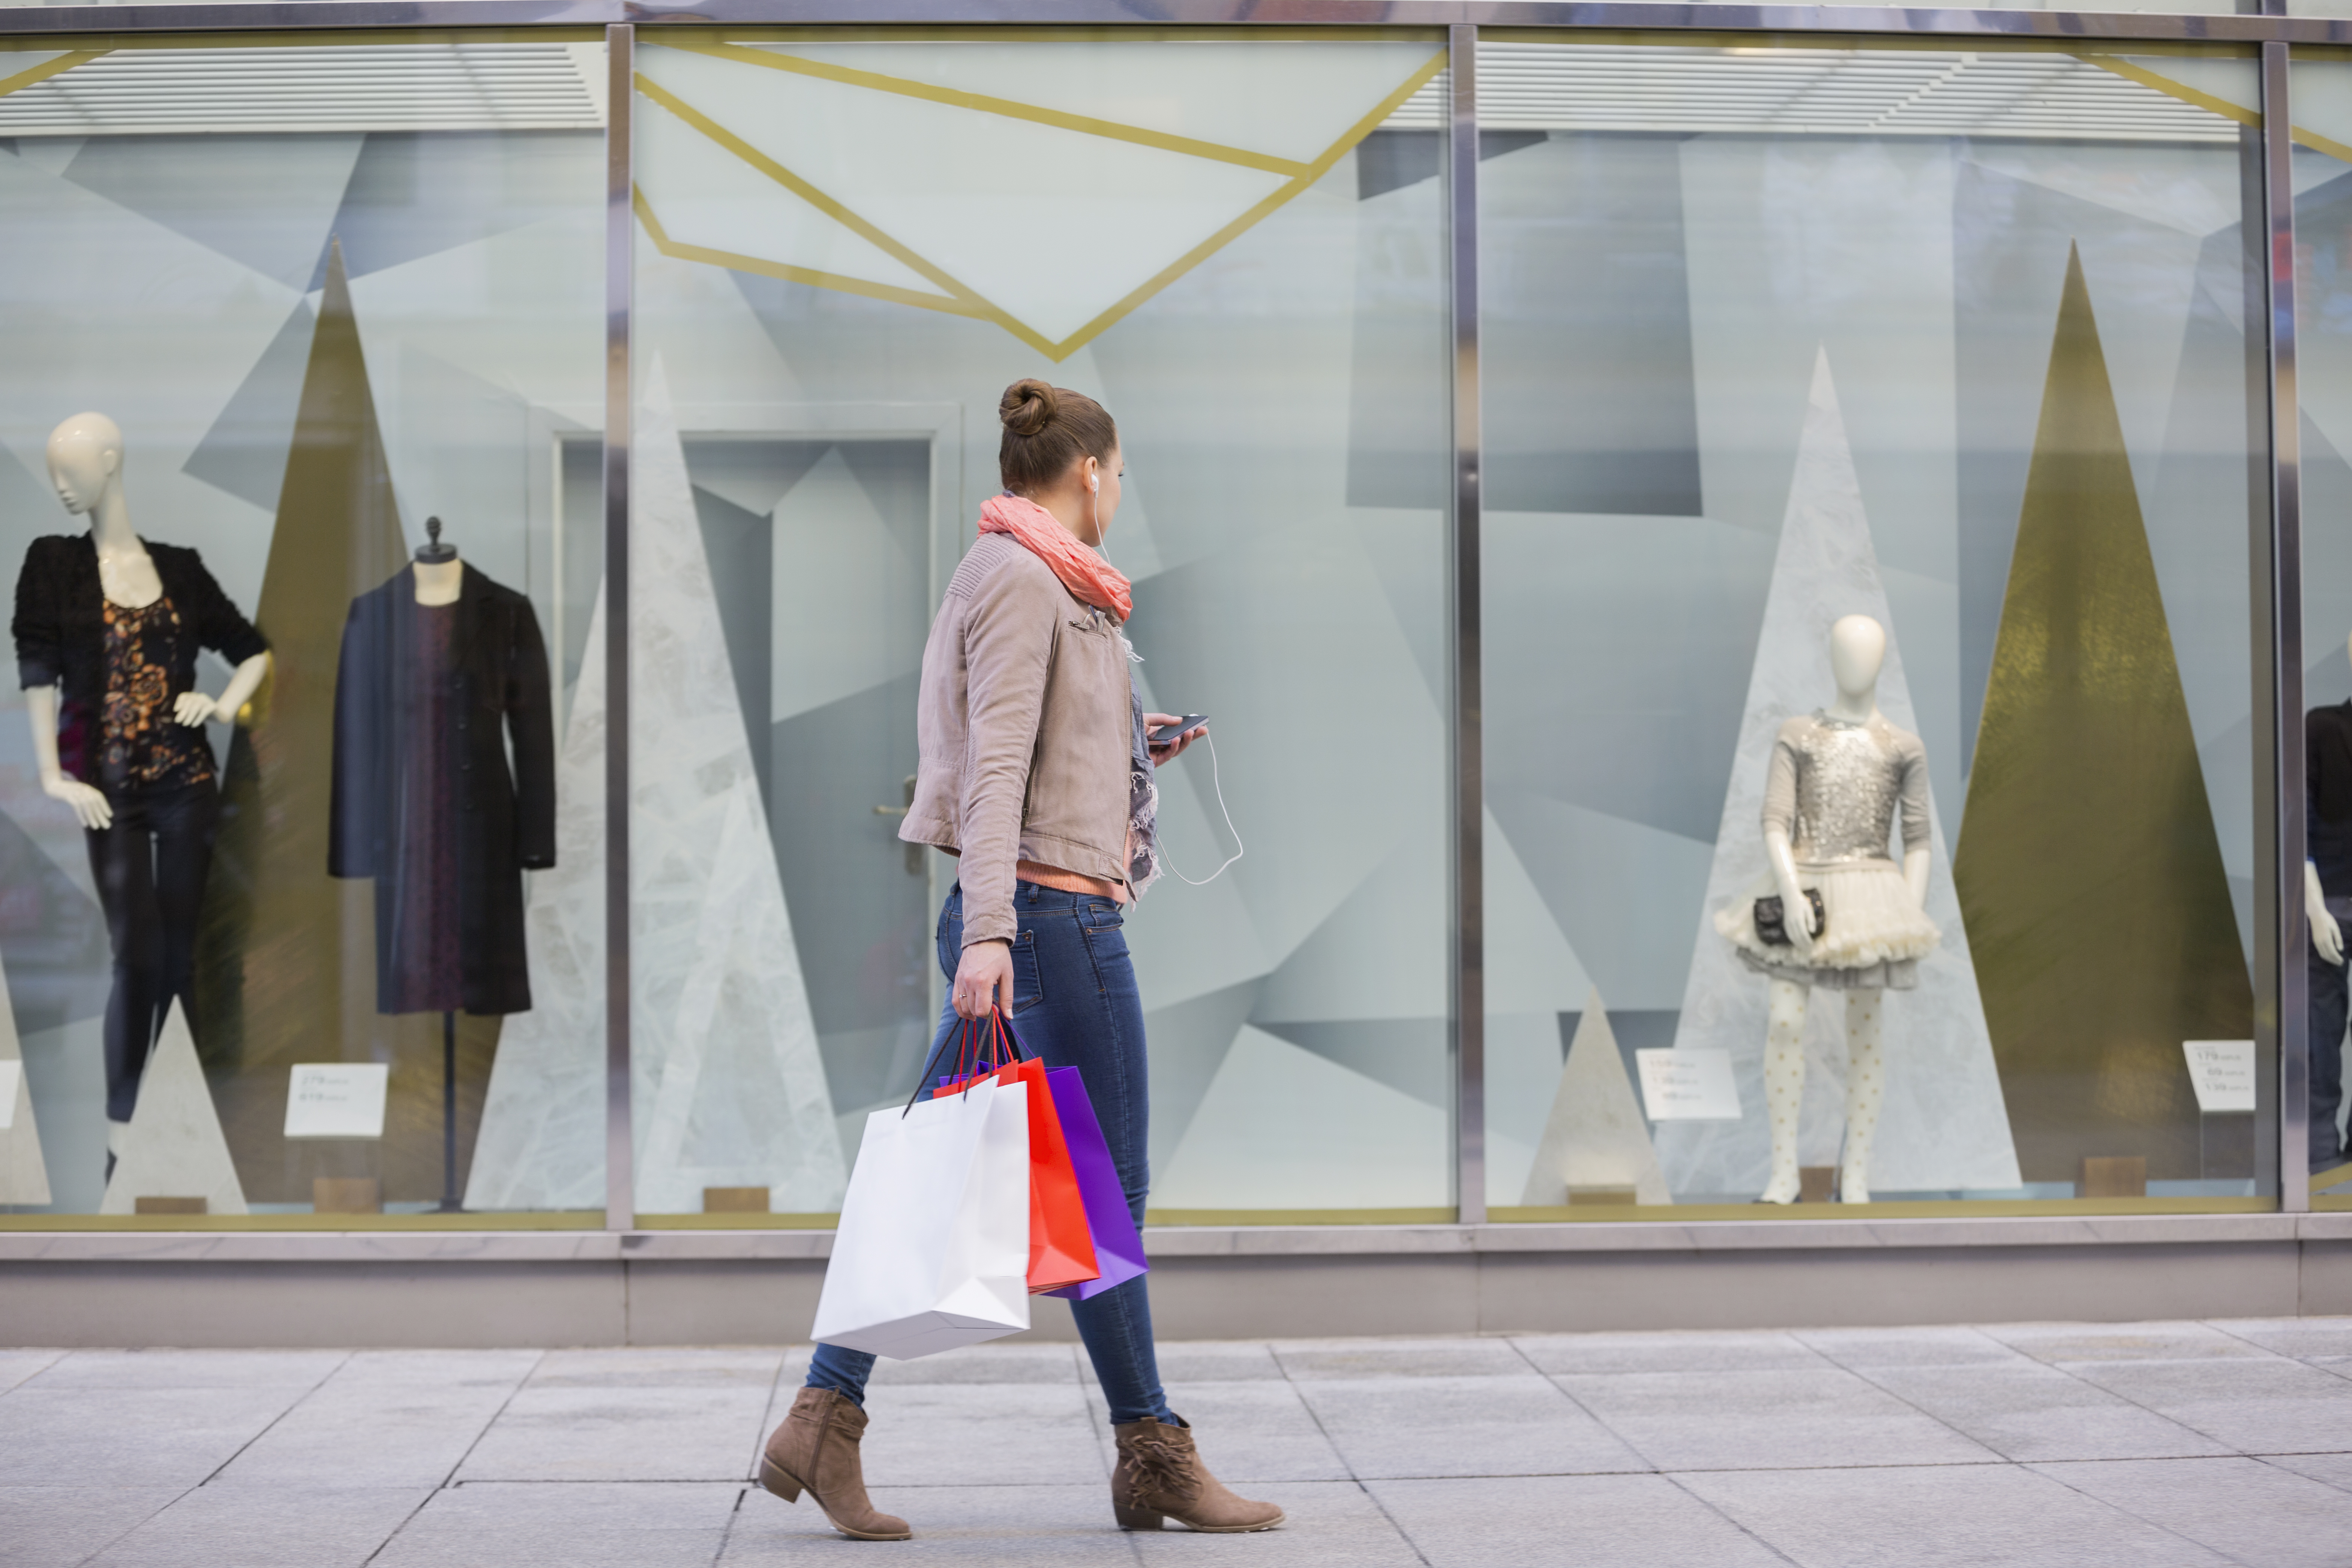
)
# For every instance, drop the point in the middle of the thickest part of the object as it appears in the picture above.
(2321, 98)
(276, 311)
(1956, 344)
(848, 251)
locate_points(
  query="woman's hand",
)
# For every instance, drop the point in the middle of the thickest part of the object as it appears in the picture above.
(90, 808)
(984, 979)
(1162, 755)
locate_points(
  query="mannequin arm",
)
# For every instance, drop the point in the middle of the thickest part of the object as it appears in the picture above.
(1914, 873)
(2326, 936)
(195, 707)
(1795, 907)
(90, 806)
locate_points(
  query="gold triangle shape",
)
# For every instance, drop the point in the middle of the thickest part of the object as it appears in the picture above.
(2097, 906)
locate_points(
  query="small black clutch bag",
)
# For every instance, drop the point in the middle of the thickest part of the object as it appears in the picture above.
(1772, 920)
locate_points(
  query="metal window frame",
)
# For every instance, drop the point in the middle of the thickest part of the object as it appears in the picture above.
(2275, 541)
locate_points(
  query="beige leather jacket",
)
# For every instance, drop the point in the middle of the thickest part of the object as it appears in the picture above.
(1024, 726)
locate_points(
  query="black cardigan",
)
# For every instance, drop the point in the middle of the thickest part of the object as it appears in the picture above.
(60, 624)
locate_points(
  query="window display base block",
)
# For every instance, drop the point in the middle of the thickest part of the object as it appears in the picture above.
(2117, 1176)
(735, 1200)
(1817, 1183)
(346, 1195)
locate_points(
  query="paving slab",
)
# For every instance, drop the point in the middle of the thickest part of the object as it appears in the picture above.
(281, 1527)
(172, 1436)
(1463, 1426)
(950, 1434)
(189, 1369)
(984, 1527)
(2272, 1406)
(58, 1526)
(2241, 1508)
(1306, 1360)
(2304, 1338)
(2062, 1343)
(566, 1525)
(620, 1434)
(1676, 1352)
(1954, 1516)
(2023, 1409)
(373, 1431)
(1623, 1522)
(1791, 1419)
(1861, 1349)
(15, 1365)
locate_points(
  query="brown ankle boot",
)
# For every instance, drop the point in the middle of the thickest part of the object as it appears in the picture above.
(1161, 1473)
(817, 1448)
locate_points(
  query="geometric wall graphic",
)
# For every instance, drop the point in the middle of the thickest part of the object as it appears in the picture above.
(201, 187)
(23, 1175)
(1942, 1127)
(877, 169)
(2089, 869)
(174, 1147)
(728, 1082)
(245, 451)
(1595, 1135)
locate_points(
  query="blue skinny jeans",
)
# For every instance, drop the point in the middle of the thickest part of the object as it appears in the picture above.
(1075, 1005)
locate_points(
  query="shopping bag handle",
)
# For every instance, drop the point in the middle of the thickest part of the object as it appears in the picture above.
(969, 1035)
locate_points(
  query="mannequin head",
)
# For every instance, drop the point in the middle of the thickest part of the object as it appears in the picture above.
(85, 461)
(1857, 653)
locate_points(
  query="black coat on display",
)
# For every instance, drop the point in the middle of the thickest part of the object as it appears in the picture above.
(505, 817)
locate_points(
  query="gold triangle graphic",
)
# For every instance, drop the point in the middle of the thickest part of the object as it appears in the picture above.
(286, 955)
(959, 298)
(2097, 906)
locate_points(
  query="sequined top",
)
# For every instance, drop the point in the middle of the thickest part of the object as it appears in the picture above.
(141, 744)
(1835, 786)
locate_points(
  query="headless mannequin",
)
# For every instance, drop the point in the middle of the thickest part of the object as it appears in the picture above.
(86, 465)
(1857, 653)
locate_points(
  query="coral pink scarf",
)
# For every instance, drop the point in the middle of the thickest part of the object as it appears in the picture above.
(1083, 572)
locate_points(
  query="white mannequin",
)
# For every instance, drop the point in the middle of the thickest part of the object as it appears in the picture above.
(1857, 653)
(85, 456)
(2326, 936)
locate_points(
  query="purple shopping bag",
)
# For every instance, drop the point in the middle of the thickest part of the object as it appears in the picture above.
(1119, 1250)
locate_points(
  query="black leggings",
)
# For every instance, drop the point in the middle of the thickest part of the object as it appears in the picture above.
(150, 870)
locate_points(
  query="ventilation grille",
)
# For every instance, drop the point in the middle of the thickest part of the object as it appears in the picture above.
(396, 87)
(1819, 92)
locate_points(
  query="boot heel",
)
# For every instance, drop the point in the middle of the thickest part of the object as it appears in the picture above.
(1136, 1518)
(776, 1481)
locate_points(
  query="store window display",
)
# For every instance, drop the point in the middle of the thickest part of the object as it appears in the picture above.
(107, 627)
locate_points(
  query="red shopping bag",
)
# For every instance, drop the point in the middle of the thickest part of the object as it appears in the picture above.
(1061, 1243)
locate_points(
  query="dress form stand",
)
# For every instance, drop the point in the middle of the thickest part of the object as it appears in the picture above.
(438, 578)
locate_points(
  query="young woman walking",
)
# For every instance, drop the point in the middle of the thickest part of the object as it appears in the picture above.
(1037, 770)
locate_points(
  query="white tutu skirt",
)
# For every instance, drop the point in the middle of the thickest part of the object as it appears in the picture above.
(1872, 937)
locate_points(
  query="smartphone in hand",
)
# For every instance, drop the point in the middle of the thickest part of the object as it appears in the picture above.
(1170, 733)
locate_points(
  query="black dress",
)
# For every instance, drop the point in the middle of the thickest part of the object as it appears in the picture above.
(425, 799)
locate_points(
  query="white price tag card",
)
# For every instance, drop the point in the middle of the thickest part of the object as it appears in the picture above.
(336, 1099)
(2222, 1070)
(1689, 1085)
(11, 1075)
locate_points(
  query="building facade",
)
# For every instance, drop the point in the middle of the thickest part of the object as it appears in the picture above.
(1549, 432)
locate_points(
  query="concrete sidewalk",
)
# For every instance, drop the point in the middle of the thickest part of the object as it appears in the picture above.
(2141, 1446)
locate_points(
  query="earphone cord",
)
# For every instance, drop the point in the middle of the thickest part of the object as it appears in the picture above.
(1239, 850)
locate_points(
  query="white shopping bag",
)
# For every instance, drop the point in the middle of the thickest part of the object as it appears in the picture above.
(933, 1249)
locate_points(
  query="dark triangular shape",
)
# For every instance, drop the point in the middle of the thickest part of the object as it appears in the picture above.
(2097, 904)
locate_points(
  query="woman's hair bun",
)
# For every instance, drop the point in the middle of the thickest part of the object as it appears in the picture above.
(1027, 407)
